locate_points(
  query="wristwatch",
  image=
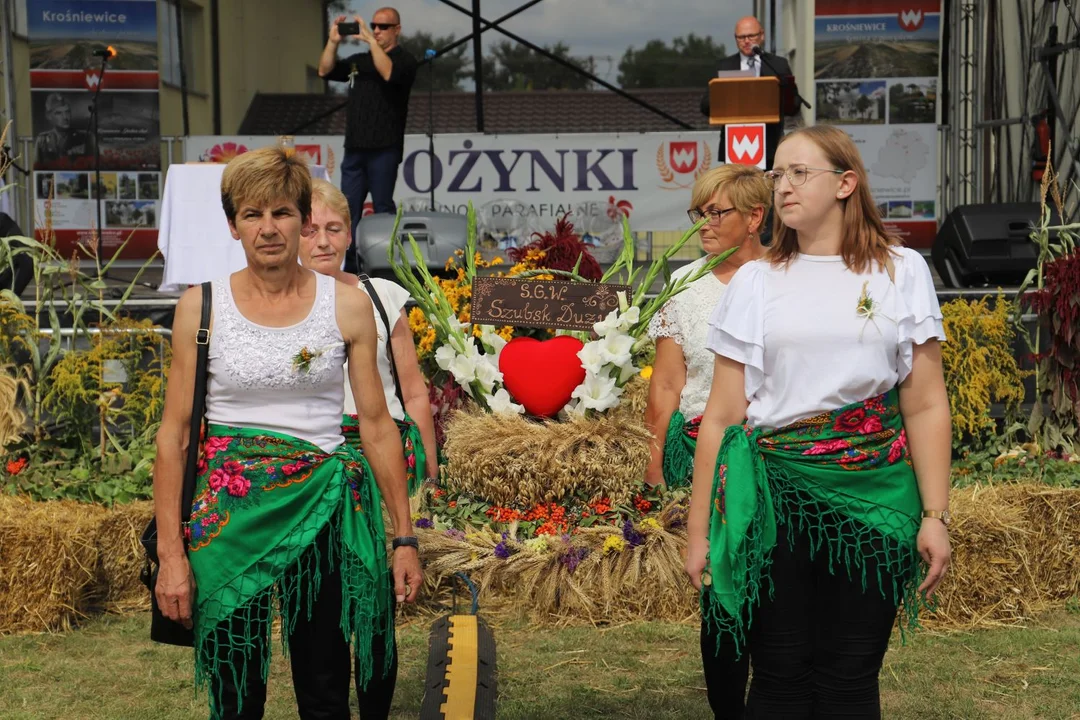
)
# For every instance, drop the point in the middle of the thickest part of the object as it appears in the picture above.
(406, 541)
(943, 515)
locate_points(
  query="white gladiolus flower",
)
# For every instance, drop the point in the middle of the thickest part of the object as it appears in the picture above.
(444, 356)
(628, 318)
(592, 358)
(500, 402)
(598, 393)
(486, 373)
(627, 372)
(608, 324)
(492, 341)
(615, 349)
(463, 368)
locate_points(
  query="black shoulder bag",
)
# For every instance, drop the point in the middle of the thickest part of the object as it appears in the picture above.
(162, 629)
(389, 332)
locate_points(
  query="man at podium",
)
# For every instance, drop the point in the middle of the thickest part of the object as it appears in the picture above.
(750, 36)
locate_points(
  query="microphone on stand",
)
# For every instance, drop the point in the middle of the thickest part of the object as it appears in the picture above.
(756, 51)
(105, 53)
(430, 55)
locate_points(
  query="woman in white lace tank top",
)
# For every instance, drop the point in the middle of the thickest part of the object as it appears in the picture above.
(323, 251)
(285, 519)
(736, 199)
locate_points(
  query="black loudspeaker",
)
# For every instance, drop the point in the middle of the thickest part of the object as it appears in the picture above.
(985, 245)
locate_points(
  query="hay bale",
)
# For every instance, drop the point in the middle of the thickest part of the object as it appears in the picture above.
(120, 558)
(48, 561)
(1016, 553)
(507, 459)
(12, 419)
(600, 585)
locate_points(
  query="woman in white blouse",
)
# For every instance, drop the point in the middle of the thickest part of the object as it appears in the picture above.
(403, 382)
(736, 199)
(812, 522)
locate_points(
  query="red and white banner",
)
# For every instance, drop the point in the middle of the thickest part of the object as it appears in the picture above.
(745, 144)
(876, 76)
(67, 84)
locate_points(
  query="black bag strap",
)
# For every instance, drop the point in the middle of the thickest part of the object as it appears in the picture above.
(389, 331)
(198, 405)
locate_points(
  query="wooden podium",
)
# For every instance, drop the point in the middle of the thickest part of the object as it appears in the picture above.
(738, 100)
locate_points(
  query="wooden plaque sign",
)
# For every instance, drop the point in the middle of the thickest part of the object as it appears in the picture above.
(543, 303)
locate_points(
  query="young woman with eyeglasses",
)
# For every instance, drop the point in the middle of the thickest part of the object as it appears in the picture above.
(821, 479)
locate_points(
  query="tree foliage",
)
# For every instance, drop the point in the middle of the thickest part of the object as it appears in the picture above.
(447, 71)
(511, 66)
(689, 61)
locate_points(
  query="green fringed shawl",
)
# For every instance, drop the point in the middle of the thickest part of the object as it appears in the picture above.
(679, 447)
(411, 443)
(844, 477)
(261, 500)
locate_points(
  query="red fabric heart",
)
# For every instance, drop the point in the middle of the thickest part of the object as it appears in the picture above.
(541, 375)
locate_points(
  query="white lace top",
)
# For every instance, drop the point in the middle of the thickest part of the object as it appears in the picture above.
(685, 319)
(251, 381)
(393, 298)
(807, 346)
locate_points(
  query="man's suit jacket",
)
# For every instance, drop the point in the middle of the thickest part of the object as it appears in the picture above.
(773, 131)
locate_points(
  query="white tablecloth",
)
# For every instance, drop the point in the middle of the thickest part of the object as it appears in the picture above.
(194, 236)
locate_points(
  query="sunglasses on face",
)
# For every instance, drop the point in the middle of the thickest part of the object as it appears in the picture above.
(383, 26)
(740, 38)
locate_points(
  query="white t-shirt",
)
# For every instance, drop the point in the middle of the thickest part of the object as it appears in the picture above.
(685, 319)
(393, 298)
(807, 348)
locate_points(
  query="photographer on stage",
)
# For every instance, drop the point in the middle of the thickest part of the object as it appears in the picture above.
(379, 85)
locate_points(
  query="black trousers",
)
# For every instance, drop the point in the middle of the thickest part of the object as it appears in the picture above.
(321, 664)
(818, 645)
(725, 674)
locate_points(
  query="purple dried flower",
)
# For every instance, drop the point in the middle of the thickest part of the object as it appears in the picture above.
(631, 535)
(425, 523)
(573, 558)
(455, 533)
(502, 551)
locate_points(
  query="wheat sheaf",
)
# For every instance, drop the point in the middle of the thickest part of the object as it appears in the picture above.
(706, 161)
(661, 165)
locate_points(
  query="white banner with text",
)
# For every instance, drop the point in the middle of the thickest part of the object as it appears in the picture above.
(520, 184)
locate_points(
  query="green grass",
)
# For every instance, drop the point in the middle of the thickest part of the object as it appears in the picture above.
(110, 670)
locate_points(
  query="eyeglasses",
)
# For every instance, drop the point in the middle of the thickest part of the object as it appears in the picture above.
(715, 215)
(383, 26)
(796, 174)
(750, 36)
